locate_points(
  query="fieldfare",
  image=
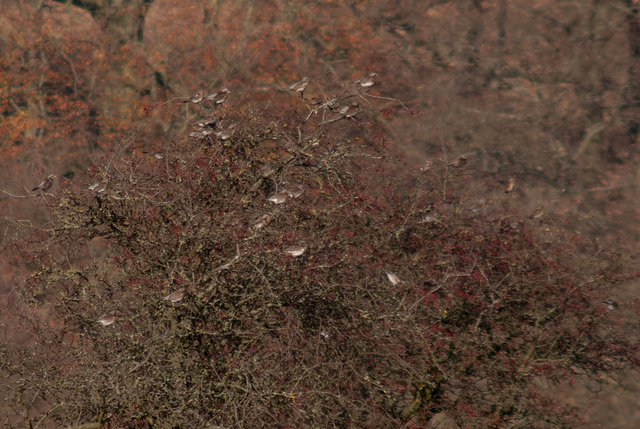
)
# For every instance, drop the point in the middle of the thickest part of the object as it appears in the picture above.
(350, 110)
(296, 251)
(367, 82)
(201, 133)
(393, 278)
(300, 86)
(98, 187)
(262, 220)
(278, 198)
(611, 304)
(218, 97)
(209, 121)
(462, 160)
(175, 296)
(510, 186)
(107, 319)
(197, 98)
(538, 212)
(45, 184)
(295, 191)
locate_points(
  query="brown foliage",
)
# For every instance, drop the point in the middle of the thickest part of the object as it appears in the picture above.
(407, 302)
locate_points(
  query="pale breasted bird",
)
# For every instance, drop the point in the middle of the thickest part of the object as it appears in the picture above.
(279, 198)
(98, 187)
(45, 184)
(175, 296)
(296, 251)
(511, 186)
(611, 304)
(300, 86)
(350, 110)
(197, 98)
(107, 319)
(201, 133)
(367, 82)
(538, 212)
(462, 160)
(393, 278)
(218, 97)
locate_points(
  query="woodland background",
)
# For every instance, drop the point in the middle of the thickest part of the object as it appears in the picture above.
(545, 92)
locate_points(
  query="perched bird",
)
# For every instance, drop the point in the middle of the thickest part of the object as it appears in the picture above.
(175, 296)
(510, 186)
(209, 121)
(278, 198)
(368, 81)
(462, 160)
(429, 218)
(538, 212)
(107, 319)
(300, 86)
(218, 97)
(99, 186)
(296, 251)
(393, 278)
(197, 98)
(294, 191)
(611, 304)
(350, 110)
(262, 220)
(45, 184)
(201, 133)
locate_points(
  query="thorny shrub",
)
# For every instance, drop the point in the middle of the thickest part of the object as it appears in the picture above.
(412, 298)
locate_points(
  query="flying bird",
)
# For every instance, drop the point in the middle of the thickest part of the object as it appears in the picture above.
(218, 97)
(367, 82)
(611, 304)
(45, 184)
(201, 133)
(99, 186)
(197, 98)
(176, 296)
(209, 121)
(107, 319)
(300, 86)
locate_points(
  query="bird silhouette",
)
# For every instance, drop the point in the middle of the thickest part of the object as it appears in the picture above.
(367, 82)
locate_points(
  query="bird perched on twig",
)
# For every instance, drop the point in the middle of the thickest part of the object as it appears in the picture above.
(350, 110)
(45, 184)
(197, 98)
(175, 296)
(367, 82)
(218, 97)
(300, 86)
(107, 319)
(462, 160)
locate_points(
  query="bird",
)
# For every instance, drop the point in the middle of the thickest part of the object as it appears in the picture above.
(393, 278)
(107, 319)
(279, 197)
(197, 98)
(295, 191)
(201, 133)
(45, 184)
(296, 251)
(209, 121)
(538, 212)
(510, 186)
(350, 110)
(218, 97)
(462, 160)
(175, 296)
(367, 82)
(429, 218)
(262, 220)
(611, 304)
(99, 186)
(300, 86)
(156, 155)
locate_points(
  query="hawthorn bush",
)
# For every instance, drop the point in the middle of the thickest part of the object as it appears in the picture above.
(414, 296)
